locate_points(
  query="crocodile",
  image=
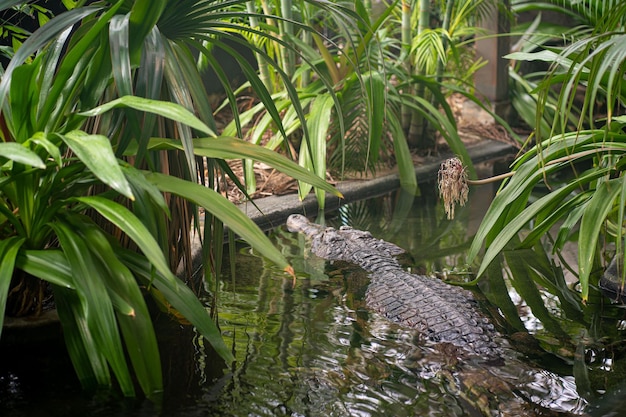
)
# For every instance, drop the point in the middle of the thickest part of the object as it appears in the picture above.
(441, 312)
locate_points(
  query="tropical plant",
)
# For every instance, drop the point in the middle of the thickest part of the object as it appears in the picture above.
(357, 92)
(432, 51)
(338, 89)
(590, 206)
(94, 197)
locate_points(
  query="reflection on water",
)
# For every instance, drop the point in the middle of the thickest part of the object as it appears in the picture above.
(313, 349)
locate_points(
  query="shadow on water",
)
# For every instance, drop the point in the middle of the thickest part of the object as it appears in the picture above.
(314, 349)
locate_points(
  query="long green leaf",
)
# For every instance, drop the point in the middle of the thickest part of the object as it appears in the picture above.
(134, 319)
(9, 249)
(521, 279)
(40, 38)
(143, 16)
(377, 112)
(49, 265)
(99, 313)
(223, 209)
(522, 219)
(497, 293)
(96, 153)
(77, 55)
(602, 202)
(19, 153)
(233, 148)
(182, 299)
(89, 362)
(172, 111)
(318, 123)
(404, 159)
(127, 222)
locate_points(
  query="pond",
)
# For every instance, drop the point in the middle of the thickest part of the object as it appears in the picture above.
(310, 346)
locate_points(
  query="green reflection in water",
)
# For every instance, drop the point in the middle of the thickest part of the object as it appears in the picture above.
(314, 349)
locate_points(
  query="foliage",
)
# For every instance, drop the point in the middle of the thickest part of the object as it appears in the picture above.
(433, 45)
(590, 206)
(357, 74)
(94, 201)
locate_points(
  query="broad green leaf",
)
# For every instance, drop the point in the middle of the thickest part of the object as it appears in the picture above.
(40, 38)
(8, 252)
(7, 4)
(22, 100)
(182, 299)
(127, 222)
(40, 139)
(49, 265)
(223, 209)
(96, 153)
(497, 292)
(132, 312)
(171, 111)
(175, 60)
(377, 111)
(529, 170)
(75, 59)
(601, 203)
(233, 148)
(143, 16)
(99, 313)
(89, 363)
(19, 153)
(120, 54)
(544, 55)
(404, 159)
(318, 125)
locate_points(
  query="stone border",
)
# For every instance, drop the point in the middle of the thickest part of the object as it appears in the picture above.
(273, 211)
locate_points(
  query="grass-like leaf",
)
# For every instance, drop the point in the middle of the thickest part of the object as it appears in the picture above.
(49, 265)
(318, 123)
(516, 223)
(601, 203)
(133, 318)
(233, 148)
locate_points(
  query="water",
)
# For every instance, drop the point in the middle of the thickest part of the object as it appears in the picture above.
(311, 347)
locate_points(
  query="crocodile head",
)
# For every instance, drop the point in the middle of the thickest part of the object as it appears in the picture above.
(340, 245)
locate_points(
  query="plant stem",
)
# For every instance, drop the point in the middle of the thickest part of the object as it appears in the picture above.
(264, 72)
(553, 162)
(406, 54)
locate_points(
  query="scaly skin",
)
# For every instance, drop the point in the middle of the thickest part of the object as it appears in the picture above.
(441, 312)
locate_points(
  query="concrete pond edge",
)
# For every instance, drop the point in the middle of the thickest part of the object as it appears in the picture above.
(271, 212)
